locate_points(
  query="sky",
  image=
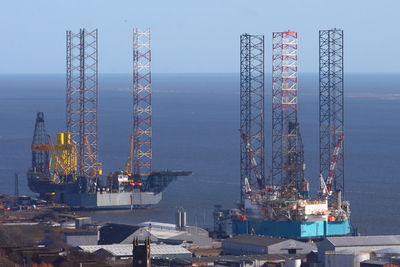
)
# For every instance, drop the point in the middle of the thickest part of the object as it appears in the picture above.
(195, 36)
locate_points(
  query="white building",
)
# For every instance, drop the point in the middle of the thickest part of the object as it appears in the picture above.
(356, 244)
(124, 251)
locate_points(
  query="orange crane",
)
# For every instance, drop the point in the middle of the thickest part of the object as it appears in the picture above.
(128, 164)
(97, 169)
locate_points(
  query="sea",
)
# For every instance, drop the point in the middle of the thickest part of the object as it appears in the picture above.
(195, 127)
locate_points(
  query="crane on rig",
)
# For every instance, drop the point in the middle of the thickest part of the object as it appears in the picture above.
(134, 180)
(97, 167)
(326, 185)
(254, 166)
(128, 164)
(120, 180)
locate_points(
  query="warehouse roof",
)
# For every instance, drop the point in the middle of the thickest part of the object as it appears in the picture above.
(351, 241)
(257, 240)
(376, 262)
(112, 233)
(169, 226)
(244, 258)
(121, 250)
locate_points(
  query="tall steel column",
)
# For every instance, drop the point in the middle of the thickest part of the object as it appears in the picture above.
(82, 89)
(287, 148)
(251, 113)
(142, 111)
(331, 103)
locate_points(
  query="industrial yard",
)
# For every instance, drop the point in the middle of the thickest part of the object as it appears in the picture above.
(278, 221)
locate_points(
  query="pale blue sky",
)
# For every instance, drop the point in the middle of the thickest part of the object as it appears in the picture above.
(195, 35)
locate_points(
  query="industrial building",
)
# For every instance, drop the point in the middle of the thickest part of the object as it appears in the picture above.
(241, 261)
(157, 232)
(77, 237)
(258, 245)
(124, 251)
(115, 233)
(190, 236)
(357, 244)
(80, 231)
(350, 258)
(345, 258)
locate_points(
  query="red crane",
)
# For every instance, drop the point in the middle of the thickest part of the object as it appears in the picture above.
(326, 186)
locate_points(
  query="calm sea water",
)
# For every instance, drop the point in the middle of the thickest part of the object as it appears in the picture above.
(195, 127)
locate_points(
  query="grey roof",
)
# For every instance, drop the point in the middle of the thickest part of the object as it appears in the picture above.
(348, 251)
(245, 258)
(379, 240)
(388, 251)
(257, 240)
(126, 249)
(375, 262)
(114, 233)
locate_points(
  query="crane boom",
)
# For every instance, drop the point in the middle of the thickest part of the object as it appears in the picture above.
(128, 164)
(97, 168)
(254, 165)
(326, 186)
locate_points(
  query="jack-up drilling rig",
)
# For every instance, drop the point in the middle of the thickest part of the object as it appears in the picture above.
(138, 175)
(282, 205)
(69, 172)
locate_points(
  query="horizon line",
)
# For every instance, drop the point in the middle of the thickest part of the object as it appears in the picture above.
(189, 73)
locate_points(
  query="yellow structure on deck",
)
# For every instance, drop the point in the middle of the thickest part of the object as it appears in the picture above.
(63, 159)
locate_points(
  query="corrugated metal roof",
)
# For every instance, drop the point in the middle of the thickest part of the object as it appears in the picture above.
(245, 257)
(172, 227)
(121, 250)
(158, 225)
(163, 233)
(348, 251)
(379, 240)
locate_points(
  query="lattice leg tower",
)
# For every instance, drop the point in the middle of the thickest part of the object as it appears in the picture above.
(331, 103)
(82, 99)
(287, 148)
(252, 145)
(142, 111)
